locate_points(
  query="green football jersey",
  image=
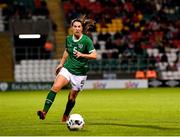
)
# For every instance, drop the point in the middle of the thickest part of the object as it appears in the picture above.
(78, 66)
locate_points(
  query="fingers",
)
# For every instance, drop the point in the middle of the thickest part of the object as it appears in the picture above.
(77, 54)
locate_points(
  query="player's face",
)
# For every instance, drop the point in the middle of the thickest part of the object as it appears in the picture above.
(77, 28)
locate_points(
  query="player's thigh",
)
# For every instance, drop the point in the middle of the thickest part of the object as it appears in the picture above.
(59, 83)
(73, 94)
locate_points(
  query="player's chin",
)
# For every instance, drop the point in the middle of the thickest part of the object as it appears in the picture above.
(77, 33)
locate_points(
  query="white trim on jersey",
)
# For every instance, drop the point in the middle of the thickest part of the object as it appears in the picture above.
(76, 40)
(91, 51)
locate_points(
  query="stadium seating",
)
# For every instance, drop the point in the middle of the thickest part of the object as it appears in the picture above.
(35, 70)
(138, 33)
(1, 21)
(140, 74)
(127, 37)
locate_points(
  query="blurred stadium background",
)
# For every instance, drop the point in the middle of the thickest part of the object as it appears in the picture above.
(138, 45)
(135, 40)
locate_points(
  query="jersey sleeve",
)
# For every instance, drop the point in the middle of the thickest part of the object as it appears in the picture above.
(90, 46)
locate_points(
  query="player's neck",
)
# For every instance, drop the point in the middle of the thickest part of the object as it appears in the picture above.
(77, 38)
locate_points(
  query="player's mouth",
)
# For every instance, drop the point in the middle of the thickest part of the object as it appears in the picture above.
(77, 32)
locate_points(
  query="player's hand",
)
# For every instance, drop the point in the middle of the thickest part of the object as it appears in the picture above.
(58, 68)
(77, 54)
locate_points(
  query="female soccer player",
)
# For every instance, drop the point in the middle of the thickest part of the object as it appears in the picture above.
(73, 66)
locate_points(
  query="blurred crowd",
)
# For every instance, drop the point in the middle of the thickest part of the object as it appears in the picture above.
(142, 28)
(23, 9)
(125, 29)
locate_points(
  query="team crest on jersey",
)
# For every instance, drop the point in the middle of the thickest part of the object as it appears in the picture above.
(80, 46)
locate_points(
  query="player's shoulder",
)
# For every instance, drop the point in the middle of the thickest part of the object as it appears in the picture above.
(69, 36)
(86, 37)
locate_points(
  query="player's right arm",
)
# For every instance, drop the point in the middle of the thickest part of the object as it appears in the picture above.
(62, 61)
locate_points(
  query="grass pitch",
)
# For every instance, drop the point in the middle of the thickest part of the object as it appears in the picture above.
(122, 112)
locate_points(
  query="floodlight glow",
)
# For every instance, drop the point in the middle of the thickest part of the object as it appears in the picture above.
(29, 36)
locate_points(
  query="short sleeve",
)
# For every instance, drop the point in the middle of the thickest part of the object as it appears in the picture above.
(90, 46)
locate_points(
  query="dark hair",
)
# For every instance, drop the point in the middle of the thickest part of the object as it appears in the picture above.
(87, 24)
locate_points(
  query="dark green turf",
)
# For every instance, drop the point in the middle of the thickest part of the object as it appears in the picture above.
(123, 112)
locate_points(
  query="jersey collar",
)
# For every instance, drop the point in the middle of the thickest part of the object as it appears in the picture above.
(76, 40)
